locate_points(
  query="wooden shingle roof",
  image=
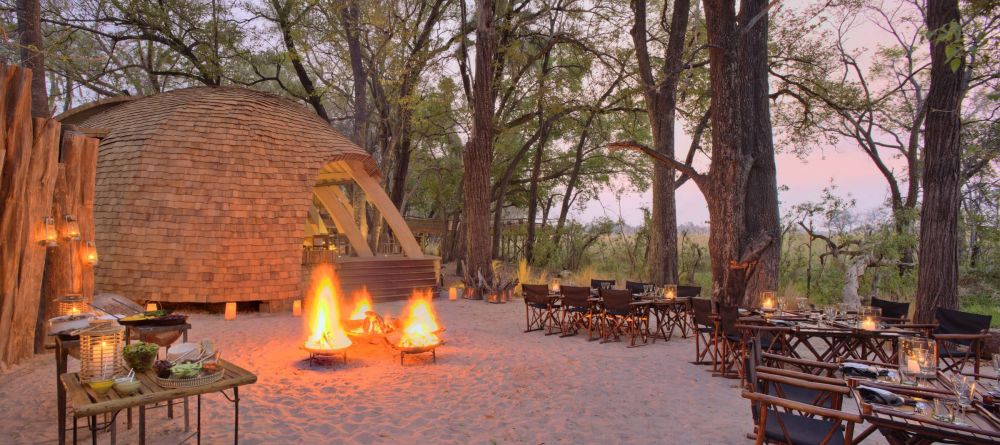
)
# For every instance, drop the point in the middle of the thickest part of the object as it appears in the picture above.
(202, 193)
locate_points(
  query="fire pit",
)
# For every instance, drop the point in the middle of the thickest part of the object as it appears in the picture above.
(420, 329)
(327, 338)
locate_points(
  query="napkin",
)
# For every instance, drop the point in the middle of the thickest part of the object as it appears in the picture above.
(784, 323)
(861, 370)
(880, 396)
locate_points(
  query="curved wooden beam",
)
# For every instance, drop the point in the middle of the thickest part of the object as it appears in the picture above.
(342, 218)
(381, 201)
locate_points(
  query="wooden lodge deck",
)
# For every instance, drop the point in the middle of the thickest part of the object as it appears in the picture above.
(388, 278)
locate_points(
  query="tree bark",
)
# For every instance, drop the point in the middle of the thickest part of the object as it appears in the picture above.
(937, 276)
(762, 214)
(479, 150)
(350, 18)
(661, 105)
(29, 29)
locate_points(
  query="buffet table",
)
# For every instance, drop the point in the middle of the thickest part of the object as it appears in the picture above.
(88, 404)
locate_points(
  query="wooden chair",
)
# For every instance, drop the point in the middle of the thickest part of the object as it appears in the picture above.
(539, 309)
(619, 318)
(705, 324)
(792, 407)
(577, 311)
(960, 337)
(635, 287)
(730, 343)
(597, 285)
(892, 312)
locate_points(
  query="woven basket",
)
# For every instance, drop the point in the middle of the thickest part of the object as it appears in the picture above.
(190, 383)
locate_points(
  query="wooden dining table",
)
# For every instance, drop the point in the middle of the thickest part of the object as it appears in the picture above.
(801, 336)
(903, 425)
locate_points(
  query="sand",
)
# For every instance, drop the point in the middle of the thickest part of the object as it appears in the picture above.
(492, 384)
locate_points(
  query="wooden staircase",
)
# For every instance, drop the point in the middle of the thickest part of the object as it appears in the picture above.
(387, 278)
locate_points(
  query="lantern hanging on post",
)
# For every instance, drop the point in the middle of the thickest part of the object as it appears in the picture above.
(101, 351)
(71, 304)
(51, 235)
(231, 310)
(72, 228)
(90, 253)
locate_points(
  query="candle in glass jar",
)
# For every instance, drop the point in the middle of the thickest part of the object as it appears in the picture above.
(97, 359)
(297, 308)
(767, 303)
(230, 311)
(453, 294)
(670, 292)
(912, 365)
(868, 324)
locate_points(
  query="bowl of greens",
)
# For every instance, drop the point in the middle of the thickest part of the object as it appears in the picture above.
(140, 355)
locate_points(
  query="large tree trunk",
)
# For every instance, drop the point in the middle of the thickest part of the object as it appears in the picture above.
(661, 105)
(762, 214)
(29, 29)
(937, 277)
(479, 151)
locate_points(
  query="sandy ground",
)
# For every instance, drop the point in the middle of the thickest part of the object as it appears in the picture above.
(492, 384)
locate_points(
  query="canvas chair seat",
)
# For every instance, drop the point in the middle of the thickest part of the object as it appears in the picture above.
(801, 430)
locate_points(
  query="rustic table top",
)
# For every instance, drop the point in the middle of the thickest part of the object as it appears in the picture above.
(86, 402)
(977, 425)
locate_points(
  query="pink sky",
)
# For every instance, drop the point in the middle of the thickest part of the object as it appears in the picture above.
(852, 171)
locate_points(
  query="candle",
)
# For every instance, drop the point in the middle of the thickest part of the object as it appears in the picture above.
(297, 308)
(670, 292)
(51, 235)
(868, 324)
(912, 365)
(452, 293)
(231, 311)
(768, 303)
(554, 287)
(150, 306)
(74, 311)
(90, 253)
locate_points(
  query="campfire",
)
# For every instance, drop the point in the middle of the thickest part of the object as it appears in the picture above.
(326, 335)
(364, 321)
(420, 328)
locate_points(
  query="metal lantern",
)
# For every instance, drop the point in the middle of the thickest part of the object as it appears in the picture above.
(71, 304)
(51, 235)
(101, 351)
(72, 228)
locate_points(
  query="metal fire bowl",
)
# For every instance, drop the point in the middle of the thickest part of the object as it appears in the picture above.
(324, 351)
(417, 349)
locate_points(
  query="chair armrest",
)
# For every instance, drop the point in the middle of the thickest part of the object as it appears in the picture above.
(802, 407)
(768, 372)
(799, 361)
(960, 336)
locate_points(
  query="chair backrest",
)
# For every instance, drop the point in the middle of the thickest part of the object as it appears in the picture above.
(596, 284)
(636, 287)
(957, 322)
(891, 309)
(808, 414)
(728, 317)
(535, 293)
(575, 295)
(702, 309)
(616, 300)
(688, 291)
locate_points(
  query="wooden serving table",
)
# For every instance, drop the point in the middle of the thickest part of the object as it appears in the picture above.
(902, 425)
(86, 403)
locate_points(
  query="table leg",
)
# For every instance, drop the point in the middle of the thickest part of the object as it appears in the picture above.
(187, 415)
(113, 431)
(128, 418)
(199, 419)
(236, 412)
(74, 430)
(61, 357)
(142, 424)
(93, 430)
(170, 409)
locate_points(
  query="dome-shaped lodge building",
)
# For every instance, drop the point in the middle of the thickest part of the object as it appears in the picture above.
(208, 195)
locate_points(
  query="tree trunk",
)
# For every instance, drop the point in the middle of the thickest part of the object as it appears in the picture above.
(661, 104)
(350, 18)
(479, 151)
(762, 214)
(536, 171)
(937, 277)
(29, 29)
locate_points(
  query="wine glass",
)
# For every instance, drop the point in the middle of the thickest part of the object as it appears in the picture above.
(830, 313)
(965, 390)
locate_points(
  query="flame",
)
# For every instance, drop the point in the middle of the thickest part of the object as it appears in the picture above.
(326, 333)
(420, 327)
(362, 304)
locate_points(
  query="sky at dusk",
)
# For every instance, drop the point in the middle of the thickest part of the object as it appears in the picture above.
(852, 171)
